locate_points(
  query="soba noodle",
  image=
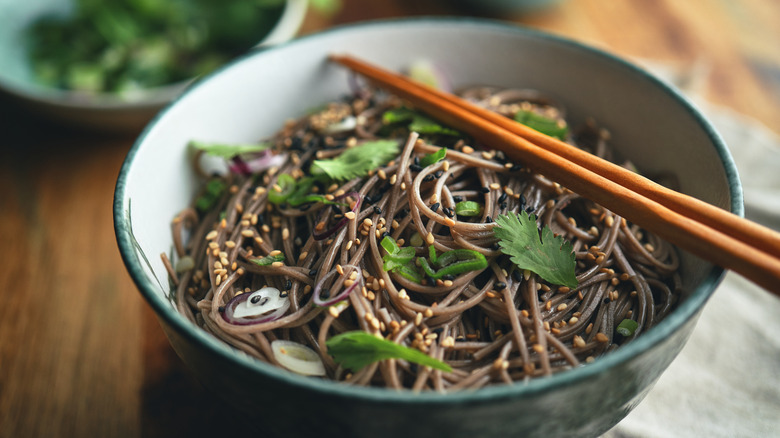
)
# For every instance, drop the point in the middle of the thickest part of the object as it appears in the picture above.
(491, 326)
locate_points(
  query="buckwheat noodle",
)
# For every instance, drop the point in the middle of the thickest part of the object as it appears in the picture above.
(497, 326)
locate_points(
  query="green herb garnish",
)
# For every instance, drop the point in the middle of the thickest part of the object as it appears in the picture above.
(627, 327)
(356, 349)
(211, 194)
(468, 208)
(227, 150)
(268, 260)
(543, 124)
(434, 157)
(417, 122)
(551, 257)
(356, 162)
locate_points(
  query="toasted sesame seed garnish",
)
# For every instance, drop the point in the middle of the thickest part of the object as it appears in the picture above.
(247, 233)
(578, 341)
(418, 318)
(350, 215)
(266, 228)
(211, 235)
(428, 313)
(393, 179)
(601, 337)
(285, 234)
(277, 264)
(381, 174)
(445, 165)
(561, 306)
(259, 240)
(429, 239)
(434, 198)
(495, 186)
(403, 185)
(609, 220)
(467, 150)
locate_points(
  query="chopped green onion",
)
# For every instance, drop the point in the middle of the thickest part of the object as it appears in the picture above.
(627, 327)
(455, 262)
(287, 184)
(545, 125)
(396, 257)
(434, 157)
(211, 194)
(468, 208)
(268, 260)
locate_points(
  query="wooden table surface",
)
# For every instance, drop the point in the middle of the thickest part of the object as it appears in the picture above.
(81, 354)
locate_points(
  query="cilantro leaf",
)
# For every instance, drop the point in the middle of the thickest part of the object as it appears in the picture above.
(357, 161)
(226, 150)
(417, 122)
(550, 257)
(356, 349)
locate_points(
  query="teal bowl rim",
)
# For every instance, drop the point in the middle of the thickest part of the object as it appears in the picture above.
(673, 322)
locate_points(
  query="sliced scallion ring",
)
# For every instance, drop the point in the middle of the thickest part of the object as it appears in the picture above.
(297, 358)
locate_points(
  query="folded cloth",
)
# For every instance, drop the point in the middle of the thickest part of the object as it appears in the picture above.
(726, 381)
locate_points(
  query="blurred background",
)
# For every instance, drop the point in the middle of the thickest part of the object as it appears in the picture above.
(81, 354)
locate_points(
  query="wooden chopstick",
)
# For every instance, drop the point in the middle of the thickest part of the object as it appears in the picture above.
(700, 228)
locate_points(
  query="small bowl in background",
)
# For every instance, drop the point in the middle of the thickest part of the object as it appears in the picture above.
(251, 99)
(101, 111)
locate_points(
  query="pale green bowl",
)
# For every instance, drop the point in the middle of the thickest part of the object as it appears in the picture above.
(103, 111)
(651, 124)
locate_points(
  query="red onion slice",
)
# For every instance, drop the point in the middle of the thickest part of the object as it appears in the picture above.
(257, 163)
(268, 302)
(343, 221)
(343, 295)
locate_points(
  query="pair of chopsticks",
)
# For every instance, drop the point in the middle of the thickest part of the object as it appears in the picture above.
(704, 230)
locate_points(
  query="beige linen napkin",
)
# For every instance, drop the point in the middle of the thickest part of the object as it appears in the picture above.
(726, 381)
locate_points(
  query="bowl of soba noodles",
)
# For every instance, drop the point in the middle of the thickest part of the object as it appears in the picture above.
(333, 261)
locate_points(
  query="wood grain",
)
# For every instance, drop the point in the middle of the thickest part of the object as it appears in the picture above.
(81, 353)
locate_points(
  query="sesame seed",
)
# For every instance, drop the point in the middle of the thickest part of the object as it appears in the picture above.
(538, 348)
(393, 179)
(349, 245)
(381, 174)
(339, 269)
(259, 240)
(428, 313)
(350, 215)
(247, 233)
(418, 318)
(445, 165)
(434, 198)
(601, 337)
(277, 264)
(495, 186)
(211, 235)
(467, 150)
(578, 342)
(429, 239)
(561, 306)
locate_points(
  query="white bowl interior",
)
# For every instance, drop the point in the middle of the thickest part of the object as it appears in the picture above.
(253, 97)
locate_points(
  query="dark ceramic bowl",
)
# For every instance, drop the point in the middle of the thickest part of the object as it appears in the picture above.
(252, 98)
